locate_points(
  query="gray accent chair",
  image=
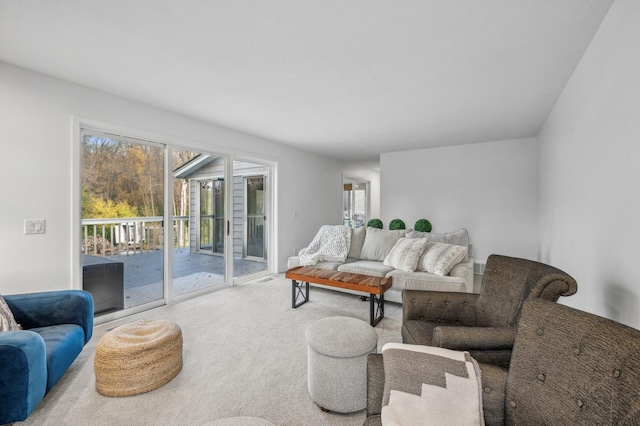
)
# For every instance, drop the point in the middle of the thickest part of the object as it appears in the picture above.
(568, 367)
(483, 324)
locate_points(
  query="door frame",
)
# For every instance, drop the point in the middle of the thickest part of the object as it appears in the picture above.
(347, 179)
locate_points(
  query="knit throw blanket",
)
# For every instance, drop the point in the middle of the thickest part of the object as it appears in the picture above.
(429, 385)
(331, 243)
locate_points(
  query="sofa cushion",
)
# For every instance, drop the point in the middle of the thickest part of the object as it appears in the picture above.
(357, 240)
(459, 238)
(294, 261)
(405, 254)
(379, 242)
(426, 281)
(366, 267)
(63, 344)
(440, 258)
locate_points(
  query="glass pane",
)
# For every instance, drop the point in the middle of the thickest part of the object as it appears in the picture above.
(206, 198)
(255, 236)
(219, 221)
(255, 195)
(206, 215)
(206, 233)
(122, 222)
(346, 204)
(255, 216)
(359, 204)
(249, 223)
(195, 267)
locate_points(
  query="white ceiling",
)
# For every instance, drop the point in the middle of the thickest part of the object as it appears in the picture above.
(345, 78)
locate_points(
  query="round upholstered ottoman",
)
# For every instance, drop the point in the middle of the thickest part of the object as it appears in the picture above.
(337, 362)
(138, 357)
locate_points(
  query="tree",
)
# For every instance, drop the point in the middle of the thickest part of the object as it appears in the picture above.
(97, 207)
(126, 179)
(124, 173)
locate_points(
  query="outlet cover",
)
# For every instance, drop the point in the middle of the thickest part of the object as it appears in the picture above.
(34, 226)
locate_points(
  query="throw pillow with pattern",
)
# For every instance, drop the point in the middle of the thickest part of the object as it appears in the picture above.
(405, 254)
(7, 321)
(440, 258)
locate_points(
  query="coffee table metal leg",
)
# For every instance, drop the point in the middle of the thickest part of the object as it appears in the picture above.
(296, 290)
(376, 309)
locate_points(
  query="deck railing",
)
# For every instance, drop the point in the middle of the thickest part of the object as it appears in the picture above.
(115, 236)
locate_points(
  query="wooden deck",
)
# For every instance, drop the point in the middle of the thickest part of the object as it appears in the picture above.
(144, 273)
(146, 268)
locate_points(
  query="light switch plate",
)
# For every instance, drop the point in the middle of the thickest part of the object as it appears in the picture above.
(34, 226)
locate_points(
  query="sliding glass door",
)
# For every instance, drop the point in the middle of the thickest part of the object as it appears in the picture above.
(122, 221)
(133, 232)
(200, 264)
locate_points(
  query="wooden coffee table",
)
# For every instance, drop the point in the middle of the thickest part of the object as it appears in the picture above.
(375, 286)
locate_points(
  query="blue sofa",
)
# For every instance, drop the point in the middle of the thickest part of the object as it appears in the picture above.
(57, 325)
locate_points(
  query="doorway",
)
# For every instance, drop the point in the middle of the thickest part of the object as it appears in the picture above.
(354, 202)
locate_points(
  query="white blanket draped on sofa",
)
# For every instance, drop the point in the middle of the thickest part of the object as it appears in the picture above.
(331, 244)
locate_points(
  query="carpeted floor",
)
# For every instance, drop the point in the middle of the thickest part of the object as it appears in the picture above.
(244, 355)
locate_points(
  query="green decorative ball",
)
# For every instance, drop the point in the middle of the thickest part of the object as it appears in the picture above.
(422, 225)
(396, 224)
(375, 223)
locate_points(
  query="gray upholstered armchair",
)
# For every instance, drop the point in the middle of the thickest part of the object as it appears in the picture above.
(483, 324)
(569, 367)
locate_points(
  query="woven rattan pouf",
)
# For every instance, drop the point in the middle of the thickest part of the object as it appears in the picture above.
(138, 357)
(337, 362)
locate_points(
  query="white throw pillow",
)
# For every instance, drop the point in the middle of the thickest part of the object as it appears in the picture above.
(459, 238)
(406, 254)
(440, 258)
(379, 242)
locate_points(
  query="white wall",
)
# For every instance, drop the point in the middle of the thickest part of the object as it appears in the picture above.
(590, 172)
(489, 188)
(36, 173)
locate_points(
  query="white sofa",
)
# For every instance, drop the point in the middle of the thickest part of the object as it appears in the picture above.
(370, 246)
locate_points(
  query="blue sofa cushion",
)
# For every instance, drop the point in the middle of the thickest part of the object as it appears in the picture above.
(63, 344)
(23, 381)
